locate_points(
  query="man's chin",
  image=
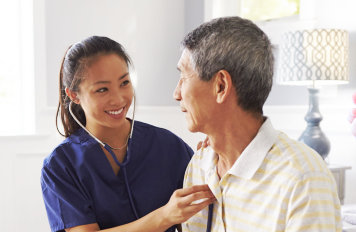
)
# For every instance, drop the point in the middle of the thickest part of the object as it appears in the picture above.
(192, 128)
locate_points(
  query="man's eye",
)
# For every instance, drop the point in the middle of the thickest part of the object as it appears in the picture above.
(102, 90)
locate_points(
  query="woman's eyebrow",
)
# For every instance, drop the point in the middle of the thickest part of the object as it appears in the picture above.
(123, 76)
(106, 82)
(101, 82)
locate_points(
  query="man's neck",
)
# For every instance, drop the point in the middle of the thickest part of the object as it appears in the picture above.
(231, 139)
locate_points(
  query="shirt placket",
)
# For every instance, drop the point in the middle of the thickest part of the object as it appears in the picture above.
(214, 185)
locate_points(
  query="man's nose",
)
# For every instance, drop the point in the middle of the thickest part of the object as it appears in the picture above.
(176, 93)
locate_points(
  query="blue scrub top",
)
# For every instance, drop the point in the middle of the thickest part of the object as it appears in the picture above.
(79, 186)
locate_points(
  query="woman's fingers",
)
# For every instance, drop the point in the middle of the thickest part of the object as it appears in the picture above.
(197, 197)
(199, 145)
(195, 208)
(203, 144)
(192, 209)
(186, 202)
(193, 189)
(206, 142)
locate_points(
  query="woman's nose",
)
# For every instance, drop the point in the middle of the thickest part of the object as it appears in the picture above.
(116, 98)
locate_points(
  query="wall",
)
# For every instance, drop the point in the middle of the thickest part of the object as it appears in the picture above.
(149, 30)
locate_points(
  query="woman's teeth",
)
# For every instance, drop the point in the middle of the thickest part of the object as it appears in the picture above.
(115, 112)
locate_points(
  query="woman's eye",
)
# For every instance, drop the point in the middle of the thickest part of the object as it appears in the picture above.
(101, 90)
(124, 83)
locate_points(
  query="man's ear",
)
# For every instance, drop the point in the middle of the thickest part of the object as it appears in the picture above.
(223, 85)
(72, 95)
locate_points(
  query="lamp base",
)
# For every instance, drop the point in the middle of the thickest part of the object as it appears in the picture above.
(316, 139)
(312, 135)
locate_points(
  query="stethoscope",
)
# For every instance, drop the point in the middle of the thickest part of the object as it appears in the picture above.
(123, 165)
(108, 148)
(210, 217)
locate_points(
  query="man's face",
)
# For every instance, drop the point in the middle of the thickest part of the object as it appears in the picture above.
(195, 95)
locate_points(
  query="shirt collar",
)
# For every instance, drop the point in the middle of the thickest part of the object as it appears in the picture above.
(253, 155)
(250, 159)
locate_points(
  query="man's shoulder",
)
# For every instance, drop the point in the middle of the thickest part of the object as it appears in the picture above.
(296, 156)
(203, 157)
(199, 166)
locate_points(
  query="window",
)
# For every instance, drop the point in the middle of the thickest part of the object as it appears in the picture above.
(16, 68)
(258, 10)
(255, 10)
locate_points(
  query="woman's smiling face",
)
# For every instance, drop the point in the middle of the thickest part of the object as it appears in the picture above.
(106, 92)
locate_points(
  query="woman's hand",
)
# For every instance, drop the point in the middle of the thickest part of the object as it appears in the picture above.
(179, 209)
(203, 144)
(182, 204)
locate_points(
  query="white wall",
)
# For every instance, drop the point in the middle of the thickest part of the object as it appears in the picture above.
(150, 31)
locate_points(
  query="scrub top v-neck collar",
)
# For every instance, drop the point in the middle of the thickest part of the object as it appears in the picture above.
(102, 162)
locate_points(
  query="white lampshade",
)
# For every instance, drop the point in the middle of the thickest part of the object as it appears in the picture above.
(310, 57)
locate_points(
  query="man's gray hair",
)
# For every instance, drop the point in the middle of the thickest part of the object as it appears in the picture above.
(238, 46)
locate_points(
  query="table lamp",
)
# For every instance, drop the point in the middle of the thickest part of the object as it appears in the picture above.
(314, 57)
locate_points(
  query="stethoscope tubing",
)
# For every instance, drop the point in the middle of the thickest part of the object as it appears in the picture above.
(210, 218)
(123, 168)
(107, 147)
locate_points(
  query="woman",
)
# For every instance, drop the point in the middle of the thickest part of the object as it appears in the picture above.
(112, 172)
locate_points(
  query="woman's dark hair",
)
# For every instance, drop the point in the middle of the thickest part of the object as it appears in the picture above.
(74, 64)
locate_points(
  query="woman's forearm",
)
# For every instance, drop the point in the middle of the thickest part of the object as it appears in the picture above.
(152, 222)
(180, 208)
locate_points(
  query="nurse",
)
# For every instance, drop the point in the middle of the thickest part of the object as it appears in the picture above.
(112, 172)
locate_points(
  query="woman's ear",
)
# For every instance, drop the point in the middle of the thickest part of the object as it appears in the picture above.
(223, 85)
(72, 95)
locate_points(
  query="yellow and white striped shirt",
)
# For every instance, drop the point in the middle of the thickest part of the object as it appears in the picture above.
(277, 184)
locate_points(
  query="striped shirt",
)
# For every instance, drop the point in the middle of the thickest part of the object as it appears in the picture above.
(277, 184)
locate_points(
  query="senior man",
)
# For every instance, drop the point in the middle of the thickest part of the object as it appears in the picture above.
(262, 179)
